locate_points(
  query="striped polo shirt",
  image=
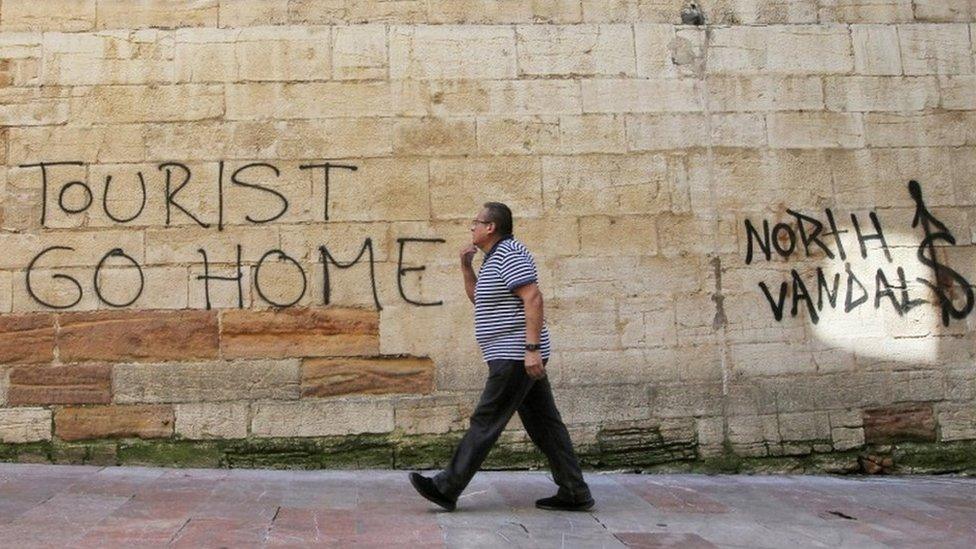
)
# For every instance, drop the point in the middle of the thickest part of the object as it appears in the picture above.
(499, 314)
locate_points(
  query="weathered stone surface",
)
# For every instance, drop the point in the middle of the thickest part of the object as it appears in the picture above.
(124, 14)
(876, 49)
(26, 338)
(457, 185)
(80, 423)
(359, 52)
(309, 418)
(207, 381)
(428, 415)
(936, 49)
(60, 384)
(815, 130)
(337, 376)
(957, 422)
(900, 422)
(25, 424)
(67, 16)
(446, 51)
(299, 333)
(138, 335)
(576, 50)
(205, 420)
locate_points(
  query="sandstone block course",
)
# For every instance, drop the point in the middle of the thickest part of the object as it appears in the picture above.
(337, 376)
(60, 384)
(138, 335)
(26, 338)
(206, 420)
(576, 50)
(447, 51)
(298, 333)
(936, 49)
(80, 423)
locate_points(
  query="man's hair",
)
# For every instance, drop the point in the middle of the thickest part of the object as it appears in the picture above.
(501, 216)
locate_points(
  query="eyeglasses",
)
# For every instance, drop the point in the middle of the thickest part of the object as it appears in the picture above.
(474, 221)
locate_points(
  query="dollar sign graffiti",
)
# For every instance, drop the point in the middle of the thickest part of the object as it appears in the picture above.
(926, 255)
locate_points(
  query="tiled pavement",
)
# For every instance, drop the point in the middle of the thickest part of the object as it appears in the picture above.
(76, 506)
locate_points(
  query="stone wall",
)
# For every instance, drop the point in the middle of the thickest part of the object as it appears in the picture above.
(229, 229)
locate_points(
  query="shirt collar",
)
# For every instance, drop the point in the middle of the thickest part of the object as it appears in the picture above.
(492, 250)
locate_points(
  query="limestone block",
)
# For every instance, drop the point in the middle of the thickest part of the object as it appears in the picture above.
(399, 11)
(446, 51)
(957, 422)
(457, 186)
(876, 49)
(583, 323)
(137, 335)
(292, 53)
(810, 49)
(517, 135)
(298, 333)
(80, 423)
(223, 294)
(51, 292)
(606, 184)
(622, 235)
(68, 16)
(953, 128)
(748, 430)
(393, 189)
(958, 92)
(434, 136)
(88, 248)
(666, 131)
(592, 133)
(26, 338)
(763, 93)
(163, 287)
(875, 93)
(866, 11)
(34, 106)
(939, 11)
(206, 381)
(181, 244)
(658, 95)
(109, 57)
(681, 235)
(207, 55)
(899, 422)
(737, 130)
(309, 100)
(961, 384)
(320, 12)
(767, 359)
(127, 104)
(313, 418)
(804, 426)
(815, 130)
(25, 424)
(208, 420)
(324, 377)
(343, 240)
(428, 415)
(335, 138)
(582, 276)
(846, 438)
(246, 13)
(575, 50)
(4, 385)
(211, 140)
(918, 386)
(117, 143)
(603, 403)
(156, 13)
(739, 49)
(505, 97)
(359, 52)
(936, 49)
(749, 12)
(657, 48)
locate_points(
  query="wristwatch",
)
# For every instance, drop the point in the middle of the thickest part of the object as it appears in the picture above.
(533, 346)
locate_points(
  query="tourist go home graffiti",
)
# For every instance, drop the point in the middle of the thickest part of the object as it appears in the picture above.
(954, 293)
(177, 175)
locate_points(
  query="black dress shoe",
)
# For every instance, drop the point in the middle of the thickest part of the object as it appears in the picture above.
(426, 488)
(557, 503)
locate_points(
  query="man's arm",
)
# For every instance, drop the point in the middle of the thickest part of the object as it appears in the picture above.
(531, 298)
(467, 254)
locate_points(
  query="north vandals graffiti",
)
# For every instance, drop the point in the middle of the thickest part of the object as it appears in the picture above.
(953, 292)
(176, 176)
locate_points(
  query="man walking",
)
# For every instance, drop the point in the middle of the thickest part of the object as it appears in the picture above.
(514, 342)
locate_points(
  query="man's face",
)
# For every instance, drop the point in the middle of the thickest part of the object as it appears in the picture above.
(481, 228)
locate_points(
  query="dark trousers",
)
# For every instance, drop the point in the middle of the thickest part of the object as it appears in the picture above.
(507, 390)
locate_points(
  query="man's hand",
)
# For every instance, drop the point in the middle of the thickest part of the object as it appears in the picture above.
(533, 364)
(467, 255)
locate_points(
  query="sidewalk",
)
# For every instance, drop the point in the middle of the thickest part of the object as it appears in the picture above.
(80, 506)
